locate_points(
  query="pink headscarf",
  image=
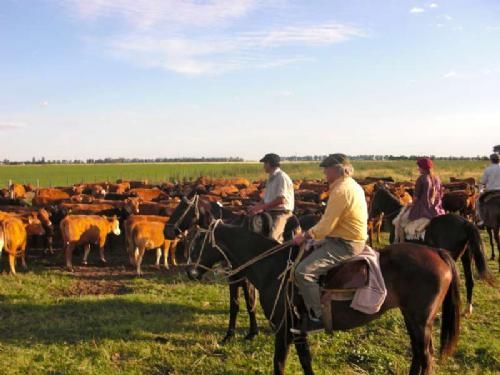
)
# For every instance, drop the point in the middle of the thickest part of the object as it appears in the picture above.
(424, 163)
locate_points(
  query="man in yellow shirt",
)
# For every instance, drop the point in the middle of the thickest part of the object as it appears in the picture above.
(340, 234)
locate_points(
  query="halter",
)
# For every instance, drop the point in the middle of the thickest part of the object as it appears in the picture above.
(190, 204)
(209, 236)
(286, 277)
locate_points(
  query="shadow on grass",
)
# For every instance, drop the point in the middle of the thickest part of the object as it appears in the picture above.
(83, 320)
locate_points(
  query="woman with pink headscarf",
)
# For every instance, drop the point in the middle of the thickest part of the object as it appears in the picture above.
(428, 195)
(412, 220)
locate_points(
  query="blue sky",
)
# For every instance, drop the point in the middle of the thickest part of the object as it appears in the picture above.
(151, 78)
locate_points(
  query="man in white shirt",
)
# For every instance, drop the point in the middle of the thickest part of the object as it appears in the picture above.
(490, 181)
(279, 197)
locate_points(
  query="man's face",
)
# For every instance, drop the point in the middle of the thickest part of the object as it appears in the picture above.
(331, 174)
(267, 167)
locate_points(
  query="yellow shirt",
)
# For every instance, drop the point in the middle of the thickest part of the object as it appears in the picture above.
(346, 214)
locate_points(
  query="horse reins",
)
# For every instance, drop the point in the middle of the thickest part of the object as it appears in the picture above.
(190, 204)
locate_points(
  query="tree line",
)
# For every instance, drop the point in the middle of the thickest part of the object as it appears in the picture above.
(42, 160)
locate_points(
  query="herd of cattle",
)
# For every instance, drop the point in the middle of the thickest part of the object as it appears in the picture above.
(137, 212)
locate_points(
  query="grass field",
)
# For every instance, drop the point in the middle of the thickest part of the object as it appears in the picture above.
(104, 320)
(56, 175)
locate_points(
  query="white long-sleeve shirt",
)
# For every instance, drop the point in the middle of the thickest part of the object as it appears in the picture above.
(491, 178)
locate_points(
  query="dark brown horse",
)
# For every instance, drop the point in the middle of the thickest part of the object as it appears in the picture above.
(490, 212)
(451, 232)
(419, 281)
(194, 211)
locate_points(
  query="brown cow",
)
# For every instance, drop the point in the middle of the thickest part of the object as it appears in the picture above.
(50, 196)
(119, 188)
(149, 194)
(85, 230)
(13, 238)
(148, 235)
(17, 191)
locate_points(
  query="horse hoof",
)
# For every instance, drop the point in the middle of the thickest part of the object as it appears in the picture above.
(468, 311)
(229, 336)
(251, 335)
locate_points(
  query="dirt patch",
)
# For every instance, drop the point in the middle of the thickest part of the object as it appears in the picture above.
(114, 277)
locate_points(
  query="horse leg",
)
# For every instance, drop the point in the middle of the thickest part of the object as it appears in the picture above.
(469, 280)
(426, 352)
(249, 292)
(492, 244)
(304, 353)
(497, 240)
(282, 341)
(415, 366)
(234, 308)
(392, 233)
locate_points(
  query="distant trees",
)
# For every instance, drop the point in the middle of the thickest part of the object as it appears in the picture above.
(231, 159)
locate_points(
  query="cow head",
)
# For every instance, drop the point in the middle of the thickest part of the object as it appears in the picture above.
(44, 217)
(34, 226)
(115, 225)
(132, 205)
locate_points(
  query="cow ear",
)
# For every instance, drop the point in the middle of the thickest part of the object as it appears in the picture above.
(30, 220)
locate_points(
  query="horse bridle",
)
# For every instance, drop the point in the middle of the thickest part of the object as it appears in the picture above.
(190, 204)
(209, 236)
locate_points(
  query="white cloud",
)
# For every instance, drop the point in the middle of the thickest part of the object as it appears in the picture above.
(145, 14)
(447, 17)
(44, 103)
(11, 125)
(221, 53)
(433, 5)
(416, 10)
(283, 93)
(450, 74)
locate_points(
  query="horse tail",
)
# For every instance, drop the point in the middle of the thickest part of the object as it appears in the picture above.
(475, 245)
(450, 320)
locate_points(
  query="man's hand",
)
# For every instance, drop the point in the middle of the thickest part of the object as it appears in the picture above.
(299, 239)
(257, 209)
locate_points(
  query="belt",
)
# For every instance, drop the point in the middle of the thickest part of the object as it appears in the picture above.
(279, 211)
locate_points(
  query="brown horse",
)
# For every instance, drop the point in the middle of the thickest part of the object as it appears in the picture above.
(419, 280)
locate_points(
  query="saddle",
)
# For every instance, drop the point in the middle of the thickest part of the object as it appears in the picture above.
(340, 284)
(263, 222)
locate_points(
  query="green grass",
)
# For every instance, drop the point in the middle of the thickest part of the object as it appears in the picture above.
(55, 175)
(47, 328)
